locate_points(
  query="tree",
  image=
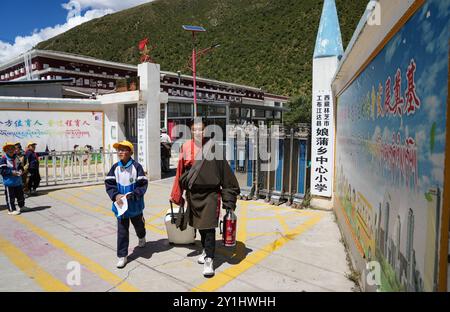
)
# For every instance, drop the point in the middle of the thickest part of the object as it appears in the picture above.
(299, 111)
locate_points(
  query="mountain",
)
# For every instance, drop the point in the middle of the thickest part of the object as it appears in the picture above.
(263, 43)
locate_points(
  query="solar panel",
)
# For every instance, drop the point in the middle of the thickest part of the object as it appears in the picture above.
(194, 28)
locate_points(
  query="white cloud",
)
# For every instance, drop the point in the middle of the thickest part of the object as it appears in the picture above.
(116, 5)
(92, 9)
(424, 183)
(432, 108)
(421, 140)
(392, 48)
(438, 167)
(428, 79)
(438, 175)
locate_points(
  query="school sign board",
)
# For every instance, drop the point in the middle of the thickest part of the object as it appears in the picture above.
(57, 130)
(322, 144)
(391, 149)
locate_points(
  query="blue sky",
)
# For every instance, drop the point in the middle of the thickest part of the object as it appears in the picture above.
(47, 13)
(32, 21)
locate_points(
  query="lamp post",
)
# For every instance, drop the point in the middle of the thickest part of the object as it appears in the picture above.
(194, 30)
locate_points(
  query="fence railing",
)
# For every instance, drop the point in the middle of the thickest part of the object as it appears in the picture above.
(60, 168)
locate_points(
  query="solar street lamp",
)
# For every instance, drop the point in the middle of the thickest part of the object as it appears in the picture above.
(194, 30)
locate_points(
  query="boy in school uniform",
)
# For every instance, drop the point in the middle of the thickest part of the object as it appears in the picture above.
(127, 179)
(11, 170)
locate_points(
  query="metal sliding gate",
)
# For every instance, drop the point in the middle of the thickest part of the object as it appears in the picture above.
(271, 164)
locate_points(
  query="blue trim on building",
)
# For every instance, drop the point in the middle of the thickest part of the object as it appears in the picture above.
(302, 163)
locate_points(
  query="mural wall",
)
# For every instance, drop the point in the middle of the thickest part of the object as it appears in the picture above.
(59, 131)
(390, 152)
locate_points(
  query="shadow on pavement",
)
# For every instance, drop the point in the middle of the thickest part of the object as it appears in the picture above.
(230, 255)
(34, 209)
(154, 247)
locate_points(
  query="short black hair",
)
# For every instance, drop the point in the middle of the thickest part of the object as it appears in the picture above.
(192, 121)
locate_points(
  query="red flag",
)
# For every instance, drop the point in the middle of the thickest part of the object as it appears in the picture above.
(143, 43)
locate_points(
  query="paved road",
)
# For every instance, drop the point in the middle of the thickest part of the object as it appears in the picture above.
(278, 249)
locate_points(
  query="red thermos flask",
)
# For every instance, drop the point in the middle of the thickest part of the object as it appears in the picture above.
(228, 228)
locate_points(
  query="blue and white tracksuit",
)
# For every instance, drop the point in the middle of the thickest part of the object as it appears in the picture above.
(13, 184)
(122, 179)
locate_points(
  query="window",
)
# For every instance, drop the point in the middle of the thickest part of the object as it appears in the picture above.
(22, 70)
(259, 113)
(87, 82)
(179, 110)
(62, 67)
(185, 110)
(104, 73)
(77, 69)
(11, 74)
(91, 71)
(46, 66)
(217, 110)
(58, 77)
(202, 110)
(116, 75)
(234, 113)
(80, 82)
(246, 112)
(33, 66)
(172, 110)
(16, 72)
(2, 77)
(111, 84)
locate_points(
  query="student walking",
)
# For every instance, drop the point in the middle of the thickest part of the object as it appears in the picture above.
(11, 170)
(32, 160)
(127, 179)
(208, 182)
(20, 153)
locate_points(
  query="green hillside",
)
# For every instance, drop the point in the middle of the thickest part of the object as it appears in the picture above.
(263, 43)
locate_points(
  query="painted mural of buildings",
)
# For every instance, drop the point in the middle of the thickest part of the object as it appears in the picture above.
(390, 147)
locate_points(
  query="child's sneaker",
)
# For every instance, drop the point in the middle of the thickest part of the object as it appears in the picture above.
(201, 259)
(142, 242)
(122, 262)
(208, 268)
